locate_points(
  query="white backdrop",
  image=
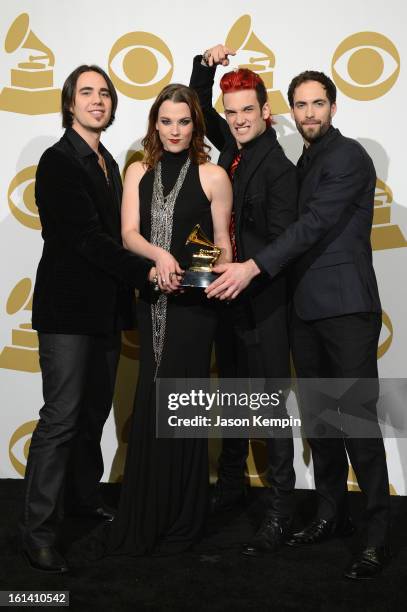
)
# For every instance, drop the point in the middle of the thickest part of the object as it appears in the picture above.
(143, 46)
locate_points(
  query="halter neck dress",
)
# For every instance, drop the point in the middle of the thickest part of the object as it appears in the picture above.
(165, 487)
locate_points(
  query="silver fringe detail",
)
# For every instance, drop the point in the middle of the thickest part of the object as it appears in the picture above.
(162, 213)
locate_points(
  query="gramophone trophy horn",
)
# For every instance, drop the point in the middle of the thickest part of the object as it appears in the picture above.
(22, 352)
(241, 37)
(33, 42)
(204, 256)
(32, 90)
(385, 234)
(19, 35)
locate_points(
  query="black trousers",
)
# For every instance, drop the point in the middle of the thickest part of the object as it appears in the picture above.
(261, 350)
(65, 458)
(345, 347)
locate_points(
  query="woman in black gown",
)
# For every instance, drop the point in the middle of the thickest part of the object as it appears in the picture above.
(164, 492)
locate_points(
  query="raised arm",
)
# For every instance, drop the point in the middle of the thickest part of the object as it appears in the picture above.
(202, 78)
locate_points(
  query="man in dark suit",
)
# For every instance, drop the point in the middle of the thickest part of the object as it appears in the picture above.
(82, 299)
(256, 344)
(336, 308)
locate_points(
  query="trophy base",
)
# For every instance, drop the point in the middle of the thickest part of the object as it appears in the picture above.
(387, 237)
(198, 279)
(20, 359)
(30, 102)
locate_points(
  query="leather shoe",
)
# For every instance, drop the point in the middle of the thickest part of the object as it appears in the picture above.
(321, 530)
(368, 564)
(270, 537)
(225, 498)
(99, 513)
(45, 559)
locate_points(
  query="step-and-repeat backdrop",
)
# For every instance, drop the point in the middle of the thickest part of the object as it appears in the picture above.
(144, 46)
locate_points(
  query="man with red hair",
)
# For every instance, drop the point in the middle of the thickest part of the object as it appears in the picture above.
(253, 335)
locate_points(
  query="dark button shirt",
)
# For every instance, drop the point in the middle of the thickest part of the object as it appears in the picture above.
(247, 151)
(309, 153)
(111, 191)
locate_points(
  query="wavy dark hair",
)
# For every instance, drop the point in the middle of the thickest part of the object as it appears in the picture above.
(69, 92)
(312, 75)
(153, 148)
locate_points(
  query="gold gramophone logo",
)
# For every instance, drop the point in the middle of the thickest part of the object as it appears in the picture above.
(132, 156)
(140, 65)
(22, 354)
(257, 462)
(32, 90)
(131, 344)
(241, 38)
(21, 198)
(370, 62)
(353, 482)
(386, 336)
(385, 235)
(19, 446)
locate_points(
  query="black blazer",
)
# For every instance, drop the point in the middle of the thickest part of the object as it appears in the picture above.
(84, 275)
(329, 245)
(264, 193)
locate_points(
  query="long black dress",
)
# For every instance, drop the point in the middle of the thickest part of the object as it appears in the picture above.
(164, 493)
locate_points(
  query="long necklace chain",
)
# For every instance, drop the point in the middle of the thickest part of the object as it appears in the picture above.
(162, 213)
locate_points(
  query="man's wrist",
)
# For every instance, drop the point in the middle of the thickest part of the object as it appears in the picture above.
(205, 58)
(252, 268)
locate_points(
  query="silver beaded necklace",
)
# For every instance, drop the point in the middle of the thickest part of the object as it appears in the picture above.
(162, 213)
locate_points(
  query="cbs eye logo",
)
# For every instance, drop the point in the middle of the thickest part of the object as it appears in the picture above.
(19, 446)
(386, 337)
(21, 194)
(140, 65)
(371, 62)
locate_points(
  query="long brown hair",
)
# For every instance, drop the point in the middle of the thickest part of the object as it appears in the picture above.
(153, 148)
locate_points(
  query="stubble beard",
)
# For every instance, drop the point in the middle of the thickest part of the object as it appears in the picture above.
(316, 133)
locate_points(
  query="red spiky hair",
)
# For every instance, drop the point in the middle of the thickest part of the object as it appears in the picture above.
(243, 78)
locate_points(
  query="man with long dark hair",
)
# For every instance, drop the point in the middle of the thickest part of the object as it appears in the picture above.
(82, 300)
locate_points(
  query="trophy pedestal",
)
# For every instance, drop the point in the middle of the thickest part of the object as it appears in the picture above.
(387, 237)
(30, 102)
(21, 359)
(32, 79)
(198, 279)
(23, 354)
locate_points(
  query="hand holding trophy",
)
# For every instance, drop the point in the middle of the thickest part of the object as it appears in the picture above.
(204, 256)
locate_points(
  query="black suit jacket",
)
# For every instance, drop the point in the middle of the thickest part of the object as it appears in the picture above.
(329, 245)
(84, 275)
(264, 194)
